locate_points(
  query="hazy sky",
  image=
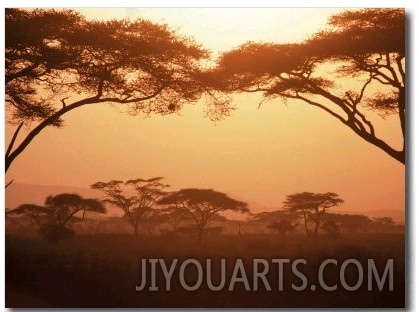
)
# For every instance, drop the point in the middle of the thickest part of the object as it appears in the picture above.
(256, 155)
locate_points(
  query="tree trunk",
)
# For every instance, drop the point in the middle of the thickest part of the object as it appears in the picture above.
(402, 104)
(305, 224)
(200, 234)
(317, 227)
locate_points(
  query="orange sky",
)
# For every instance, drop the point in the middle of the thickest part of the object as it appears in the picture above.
(256, 155)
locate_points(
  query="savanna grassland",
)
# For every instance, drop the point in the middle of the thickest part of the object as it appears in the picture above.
(103, 271)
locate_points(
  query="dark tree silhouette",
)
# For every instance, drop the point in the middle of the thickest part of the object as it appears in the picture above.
(151, 219)
(138, 207)
(202, 205)
(35, 213)
(311, 207)
(64, 207)
(383, 225)
(332, 229)
(280, 221)
(338, 71)
(350, 223)
(384, 221)
(57, 61)
(174, 216)
(60, 211)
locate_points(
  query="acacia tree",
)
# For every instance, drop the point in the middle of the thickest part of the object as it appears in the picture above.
(332, 229)
(151, 220)
(137, 207)
(59, 212)
(311, 207)
(356, 67)
(174, 216)
(281, 221)
(57, 61)
(64, 207)
(350, 223)
(35, 213)
(202, 205)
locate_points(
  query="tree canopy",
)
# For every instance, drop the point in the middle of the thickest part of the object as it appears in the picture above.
(57, 61)
(202, 204)
(311, 206)
(65, 206)
(355, 67)
(136, 208)
(281, 221)
(54, 220)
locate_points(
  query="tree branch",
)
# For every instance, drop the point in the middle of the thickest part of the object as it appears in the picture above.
(400, 67)
(12, 142)
(21, 73)
(51, 119)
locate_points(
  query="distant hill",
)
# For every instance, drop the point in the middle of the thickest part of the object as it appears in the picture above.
(20, 193)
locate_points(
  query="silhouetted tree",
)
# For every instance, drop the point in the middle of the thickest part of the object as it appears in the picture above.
(384, 220)
(64, 207)
(383, 224)
(331, 228)
(57, 61)
(174, 216)
(151, 219)
(139, 206)
(202, 205)
(311, 207)
(280, 221)
(35, 213)
(338, 71)
(60, 211)
(350, 223)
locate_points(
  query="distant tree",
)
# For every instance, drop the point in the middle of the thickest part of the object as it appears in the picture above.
(35, 213)
(356, 67)
(64, 207)
(280, 221)
(350, 223)
(174, 216)
(59, 213)
(151, 219)
(202, 205)
(311, 207)
(58, 61)
(384, 221)
(137, 207)
(383, 224)
(331, 228)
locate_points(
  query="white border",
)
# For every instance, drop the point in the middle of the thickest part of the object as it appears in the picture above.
(411, 289)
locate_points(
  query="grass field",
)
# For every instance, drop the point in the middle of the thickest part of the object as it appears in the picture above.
(103, 270)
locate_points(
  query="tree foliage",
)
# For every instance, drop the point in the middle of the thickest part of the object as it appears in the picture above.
(174, 216)
(332, 229)
(57, 61)
(138, 207)
(311, 207)
(281, 221)
(35, 213)
(59, 213)
(64, 207)
(350, 223)
(353, 68)
(202, 205)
